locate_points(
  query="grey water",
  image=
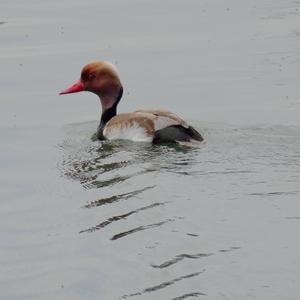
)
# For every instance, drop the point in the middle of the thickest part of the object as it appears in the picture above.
(84, 219)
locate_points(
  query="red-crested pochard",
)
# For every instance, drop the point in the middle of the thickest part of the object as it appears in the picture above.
(157, 126)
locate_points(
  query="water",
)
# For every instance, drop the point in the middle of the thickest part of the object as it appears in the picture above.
(83, 219)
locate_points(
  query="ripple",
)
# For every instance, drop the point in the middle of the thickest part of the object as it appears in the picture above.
(189, 295)
(121, 217)
(140, 228)
(230, 249)
(275, 193)
(117, 198)
(193, 234)
(181, 257)
(163, 285)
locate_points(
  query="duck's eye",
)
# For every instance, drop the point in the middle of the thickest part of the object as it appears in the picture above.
(91, 76)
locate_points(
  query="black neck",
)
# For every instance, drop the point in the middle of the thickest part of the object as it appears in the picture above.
(107, 115)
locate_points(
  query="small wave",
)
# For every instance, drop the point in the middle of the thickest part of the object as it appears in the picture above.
(121, 217)
(140, 228)
(181, 257)
(189, 295)
(117, 198)
(163, 285)
(279, 193)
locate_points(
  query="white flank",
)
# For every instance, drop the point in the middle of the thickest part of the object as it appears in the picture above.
(134, 133)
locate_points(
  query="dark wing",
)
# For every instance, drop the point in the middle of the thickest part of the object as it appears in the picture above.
(170, 128)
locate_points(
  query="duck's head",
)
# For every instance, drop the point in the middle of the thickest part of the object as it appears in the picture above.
(100, 78)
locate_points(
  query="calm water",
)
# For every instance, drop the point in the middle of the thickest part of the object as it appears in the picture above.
(83, 219)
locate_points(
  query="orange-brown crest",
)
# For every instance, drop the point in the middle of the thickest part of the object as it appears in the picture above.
(101, 78)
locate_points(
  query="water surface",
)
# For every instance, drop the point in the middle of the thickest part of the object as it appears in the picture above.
(83, 219)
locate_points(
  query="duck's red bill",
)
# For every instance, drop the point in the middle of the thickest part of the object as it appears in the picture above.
(75, 88)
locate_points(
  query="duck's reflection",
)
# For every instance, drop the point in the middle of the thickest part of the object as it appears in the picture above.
(98, 165)
(91, 164)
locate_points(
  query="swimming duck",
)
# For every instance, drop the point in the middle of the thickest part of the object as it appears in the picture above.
(154, 125)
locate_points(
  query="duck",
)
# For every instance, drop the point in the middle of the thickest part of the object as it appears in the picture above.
(146, 125)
